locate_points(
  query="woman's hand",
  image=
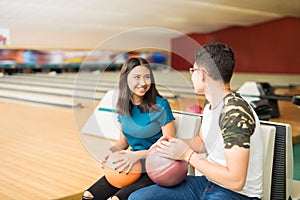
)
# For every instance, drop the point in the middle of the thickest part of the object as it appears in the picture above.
(126, 161)
(173, 148)
(105, 157)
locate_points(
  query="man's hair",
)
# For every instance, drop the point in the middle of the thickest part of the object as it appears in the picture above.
(218, 60)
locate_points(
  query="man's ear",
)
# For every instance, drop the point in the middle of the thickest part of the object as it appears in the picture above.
(204, 74)
(204, 71)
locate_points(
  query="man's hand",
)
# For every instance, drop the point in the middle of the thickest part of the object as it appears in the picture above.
(173, 148)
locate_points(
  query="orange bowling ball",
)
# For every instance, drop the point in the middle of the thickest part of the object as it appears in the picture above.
(122, 179)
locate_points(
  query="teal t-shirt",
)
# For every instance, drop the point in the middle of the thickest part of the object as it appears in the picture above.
(142, 129)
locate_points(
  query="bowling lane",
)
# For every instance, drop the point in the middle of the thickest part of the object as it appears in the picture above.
(39, 98)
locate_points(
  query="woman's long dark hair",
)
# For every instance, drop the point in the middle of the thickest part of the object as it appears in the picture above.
(124, 104)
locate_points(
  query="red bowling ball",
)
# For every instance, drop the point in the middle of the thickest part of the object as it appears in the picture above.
(164, 171)
(194, 108)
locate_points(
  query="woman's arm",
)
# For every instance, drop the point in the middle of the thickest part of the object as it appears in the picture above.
(121, 144)
(168, 130)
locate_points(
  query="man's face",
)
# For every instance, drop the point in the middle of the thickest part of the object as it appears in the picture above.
(197, 79)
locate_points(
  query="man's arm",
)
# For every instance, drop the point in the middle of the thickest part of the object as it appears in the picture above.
(231, 176)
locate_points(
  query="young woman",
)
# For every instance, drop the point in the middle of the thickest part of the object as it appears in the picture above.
(145, 117)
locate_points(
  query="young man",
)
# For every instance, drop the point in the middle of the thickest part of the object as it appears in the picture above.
(230, 137)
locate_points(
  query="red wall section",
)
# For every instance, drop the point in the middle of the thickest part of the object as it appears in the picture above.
(272, 47)
(182, 55)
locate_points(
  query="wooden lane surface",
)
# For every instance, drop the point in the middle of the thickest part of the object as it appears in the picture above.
(35, 97)
(42, 156)
(52, 91)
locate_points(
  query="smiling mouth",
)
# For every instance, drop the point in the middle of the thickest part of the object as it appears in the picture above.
(141, 89)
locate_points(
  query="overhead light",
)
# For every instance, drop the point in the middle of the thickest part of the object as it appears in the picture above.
(236, 9)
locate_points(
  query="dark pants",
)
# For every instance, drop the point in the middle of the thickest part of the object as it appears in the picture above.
(102, 189)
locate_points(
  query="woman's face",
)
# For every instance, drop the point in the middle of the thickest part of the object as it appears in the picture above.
(139, 81)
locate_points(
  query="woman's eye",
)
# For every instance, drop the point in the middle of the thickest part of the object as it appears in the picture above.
(147, 77)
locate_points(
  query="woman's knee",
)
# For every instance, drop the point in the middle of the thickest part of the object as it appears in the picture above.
(87, 195)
